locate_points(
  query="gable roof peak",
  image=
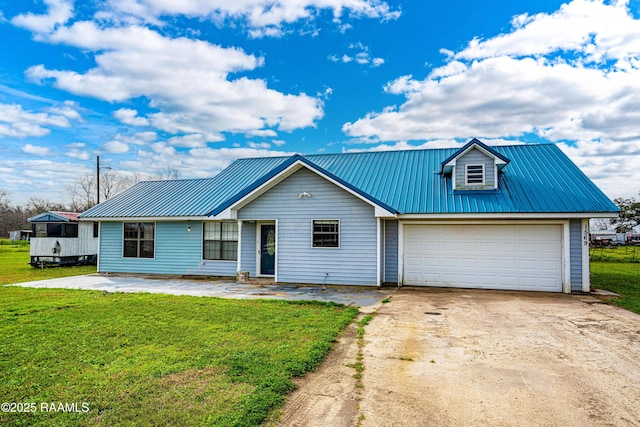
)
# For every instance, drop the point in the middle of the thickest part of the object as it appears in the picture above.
(501, 160)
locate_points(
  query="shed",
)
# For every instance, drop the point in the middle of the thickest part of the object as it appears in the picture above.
(60, 238)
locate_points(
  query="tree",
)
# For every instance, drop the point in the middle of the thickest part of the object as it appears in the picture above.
(629, 215)
(82, 193)
(36, 206)
(11, 217)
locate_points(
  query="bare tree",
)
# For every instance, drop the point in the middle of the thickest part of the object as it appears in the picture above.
(168, 173)
(82, 193)
(36, 206)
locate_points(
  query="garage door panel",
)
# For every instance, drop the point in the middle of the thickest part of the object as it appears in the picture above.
(527, 257)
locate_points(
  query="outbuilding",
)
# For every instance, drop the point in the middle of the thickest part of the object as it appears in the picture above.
(59, 238)
(502, 217)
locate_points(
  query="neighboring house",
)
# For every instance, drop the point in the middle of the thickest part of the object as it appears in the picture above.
(16, 235)
(60, 238)
(506, 217)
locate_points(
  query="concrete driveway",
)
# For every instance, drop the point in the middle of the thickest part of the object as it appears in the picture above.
(437, 357)
(348, 295)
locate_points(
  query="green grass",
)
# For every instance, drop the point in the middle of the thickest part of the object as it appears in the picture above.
(620, 254)
(141, 359)
(15, 268)
(620, 277)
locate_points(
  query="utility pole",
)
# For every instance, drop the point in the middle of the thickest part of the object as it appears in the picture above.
(98, 179)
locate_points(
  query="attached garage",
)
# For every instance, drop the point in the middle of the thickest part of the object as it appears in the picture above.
(498, 256)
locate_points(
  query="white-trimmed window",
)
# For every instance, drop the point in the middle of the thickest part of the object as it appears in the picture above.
(220, 241)
(474, 174)
(325, 233)
(139, 240)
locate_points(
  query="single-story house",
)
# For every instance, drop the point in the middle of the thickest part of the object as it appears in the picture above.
(503, 217)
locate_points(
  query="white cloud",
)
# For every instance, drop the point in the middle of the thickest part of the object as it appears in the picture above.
(259, 145)
(36, 149)
(572, 75)
(613, 165)
(187, 80)
(59, 12)
(130, 117)
(116, 147)
(202, 162)
(359, 53)
(263, 18)
(507, 87)
(18, 123)
(76, 150)
(278, 142)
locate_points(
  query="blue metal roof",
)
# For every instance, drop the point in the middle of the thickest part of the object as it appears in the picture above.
(540, 178)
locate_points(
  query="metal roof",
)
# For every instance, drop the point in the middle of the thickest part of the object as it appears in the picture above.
(54, 216)
(540, 178)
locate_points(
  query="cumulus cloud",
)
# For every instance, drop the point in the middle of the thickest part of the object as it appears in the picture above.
(59, 12)
(36, 149)
(77, 150)
(116, 147)
(540, 78)
(263, 18)
(18, 123)
(130, 117)
(189, 81)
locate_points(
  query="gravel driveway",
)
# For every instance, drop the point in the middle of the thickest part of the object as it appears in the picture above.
(481, 358)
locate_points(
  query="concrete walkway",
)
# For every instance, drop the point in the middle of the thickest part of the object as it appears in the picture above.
(348, 295)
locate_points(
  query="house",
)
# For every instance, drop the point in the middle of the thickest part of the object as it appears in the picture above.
(504, 217)
(59, 238)
(16, 235)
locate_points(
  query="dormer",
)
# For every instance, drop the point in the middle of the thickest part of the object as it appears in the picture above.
(474, 167)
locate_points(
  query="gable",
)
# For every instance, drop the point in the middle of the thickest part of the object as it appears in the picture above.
(228, 210)
(304, 193)
(475, 161)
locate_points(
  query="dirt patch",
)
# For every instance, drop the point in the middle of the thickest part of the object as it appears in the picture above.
(329, 396)
(488, 358)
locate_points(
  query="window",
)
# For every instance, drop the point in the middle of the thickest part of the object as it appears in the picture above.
(55, 229)
(474, 174)
(96, 229)
(139, 239)
(326, 233)
(220, 241)
(39, 230)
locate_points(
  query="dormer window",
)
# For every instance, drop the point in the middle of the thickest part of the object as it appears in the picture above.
(474, 174)
(474, 167)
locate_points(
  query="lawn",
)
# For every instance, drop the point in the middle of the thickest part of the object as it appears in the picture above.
(620, 277)
(15, 268)
(142, 359)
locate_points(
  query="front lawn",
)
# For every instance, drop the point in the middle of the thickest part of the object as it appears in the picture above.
(141, 359)
(621, 278)
(15, 268)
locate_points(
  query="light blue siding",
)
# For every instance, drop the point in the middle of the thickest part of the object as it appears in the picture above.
(391, 251)
(475, 157)
(575, 258)
(177, 251)
(249, 248)
(353, 263)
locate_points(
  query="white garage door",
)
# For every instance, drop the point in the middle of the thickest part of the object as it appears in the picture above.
(522, 257)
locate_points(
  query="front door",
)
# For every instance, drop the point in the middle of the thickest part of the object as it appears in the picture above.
(267, 249)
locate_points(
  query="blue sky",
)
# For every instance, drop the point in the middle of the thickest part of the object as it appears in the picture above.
(195, 84)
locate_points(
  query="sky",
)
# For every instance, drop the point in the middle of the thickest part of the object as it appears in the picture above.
(192, 85)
